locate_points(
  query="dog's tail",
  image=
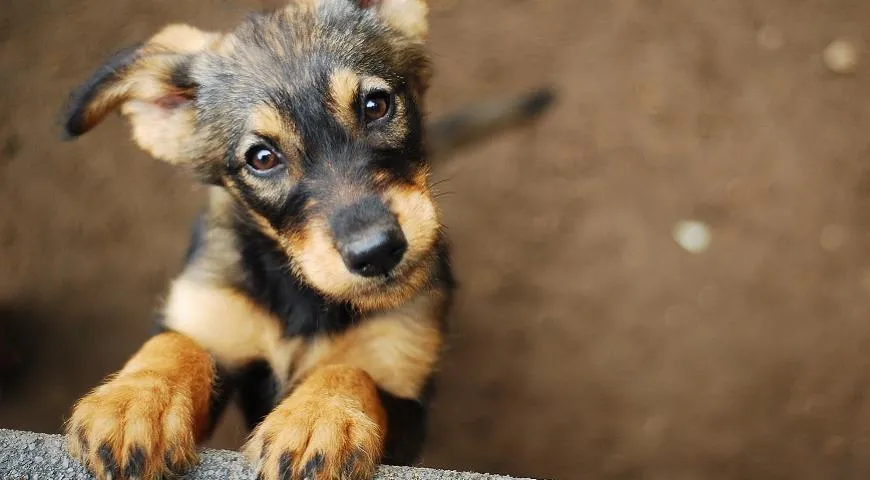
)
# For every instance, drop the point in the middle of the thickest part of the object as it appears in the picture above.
(456, 130)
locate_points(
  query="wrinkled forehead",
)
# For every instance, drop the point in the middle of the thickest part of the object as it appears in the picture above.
(305, 42)
(299, 60)
(305, 51)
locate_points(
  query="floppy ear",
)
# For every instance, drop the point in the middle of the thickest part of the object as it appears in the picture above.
(407, 16)
(151, 85)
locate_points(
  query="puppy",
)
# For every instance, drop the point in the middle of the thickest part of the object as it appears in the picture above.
(317, 279)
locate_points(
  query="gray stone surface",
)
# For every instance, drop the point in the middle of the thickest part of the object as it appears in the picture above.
(38, 456)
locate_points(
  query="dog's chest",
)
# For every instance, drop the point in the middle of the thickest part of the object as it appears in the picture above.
(237, 331)
(397, 348)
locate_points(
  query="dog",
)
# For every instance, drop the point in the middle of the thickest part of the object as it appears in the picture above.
(317, 281)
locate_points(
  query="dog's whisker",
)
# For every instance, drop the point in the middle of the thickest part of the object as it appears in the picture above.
(440, 182)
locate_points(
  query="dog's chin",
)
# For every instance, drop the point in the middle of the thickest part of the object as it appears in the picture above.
(391, 290)
(368, 294)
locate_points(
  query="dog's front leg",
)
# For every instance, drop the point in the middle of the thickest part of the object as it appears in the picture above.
(146, 420)
(331, 427)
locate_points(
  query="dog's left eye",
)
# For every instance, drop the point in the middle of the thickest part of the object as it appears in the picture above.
(262, 159)
(376, 106)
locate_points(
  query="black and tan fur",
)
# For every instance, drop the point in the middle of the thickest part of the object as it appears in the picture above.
(330, 357)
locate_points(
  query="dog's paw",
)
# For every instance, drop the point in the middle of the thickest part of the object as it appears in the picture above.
(321, 433)
(136, 426)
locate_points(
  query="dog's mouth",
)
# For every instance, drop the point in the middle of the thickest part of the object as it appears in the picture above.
(372, 266)
(392, 288)
(395, 278)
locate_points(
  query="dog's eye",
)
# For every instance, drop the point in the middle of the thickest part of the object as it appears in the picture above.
(262, 159)
(376, 106)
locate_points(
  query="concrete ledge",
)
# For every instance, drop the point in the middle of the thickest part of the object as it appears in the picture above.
(38, 456)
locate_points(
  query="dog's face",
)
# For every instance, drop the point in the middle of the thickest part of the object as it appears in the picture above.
(310, 117)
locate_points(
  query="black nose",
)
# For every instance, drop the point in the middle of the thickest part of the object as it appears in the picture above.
(374, 252)
(368, 237)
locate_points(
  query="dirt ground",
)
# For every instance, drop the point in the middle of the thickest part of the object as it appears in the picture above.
(586, 342)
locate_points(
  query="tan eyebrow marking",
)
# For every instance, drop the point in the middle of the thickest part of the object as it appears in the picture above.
(266, 121)
(343, 89)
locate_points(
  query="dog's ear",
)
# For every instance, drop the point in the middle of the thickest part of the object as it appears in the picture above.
(152, 86)
(407, 16)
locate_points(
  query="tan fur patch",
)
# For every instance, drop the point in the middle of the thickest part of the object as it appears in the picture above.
(164, 134)
(407, 16)
(399, 348)
(151, 413)
(332, 426)
(418, 217)
(343, 88)
(181, 38)
(228, 325)
(374, 83)
(266, 121)
(320, 263)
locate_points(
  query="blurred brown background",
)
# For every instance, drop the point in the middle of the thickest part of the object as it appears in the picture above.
(587, 343)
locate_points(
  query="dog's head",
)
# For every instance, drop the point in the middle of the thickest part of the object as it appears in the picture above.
(310, 116)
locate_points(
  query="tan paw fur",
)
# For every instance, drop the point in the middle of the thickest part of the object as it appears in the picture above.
(331, 428)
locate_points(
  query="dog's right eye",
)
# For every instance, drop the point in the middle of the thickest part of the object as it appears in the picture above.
(376, 106)
(262, 159)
